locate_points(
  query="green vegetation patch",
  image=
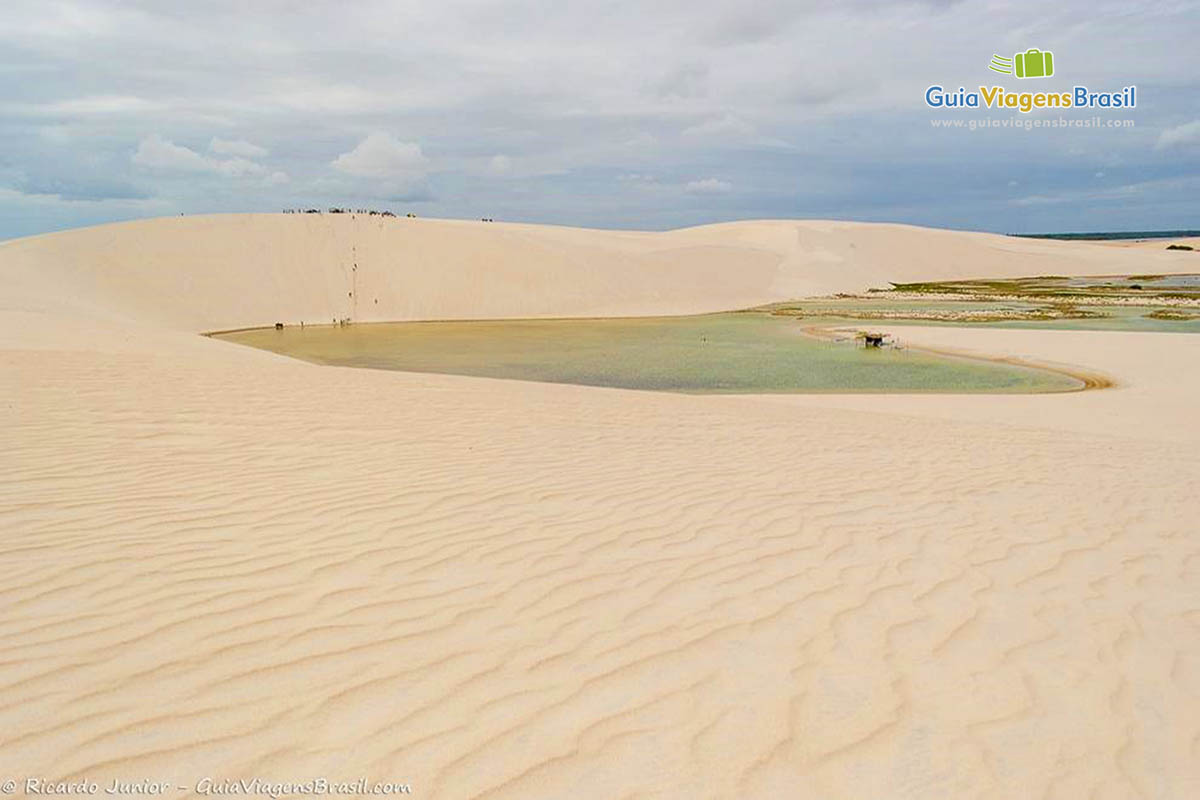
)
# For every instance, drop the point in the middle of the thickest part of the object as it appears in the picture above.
(1174, 314)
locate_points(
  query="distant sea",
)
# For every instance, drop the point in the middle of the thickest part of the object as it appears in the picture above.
(1104, 235)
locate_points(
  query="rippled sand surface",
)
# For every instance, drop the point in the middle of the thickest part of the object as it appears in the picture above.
(220, 562)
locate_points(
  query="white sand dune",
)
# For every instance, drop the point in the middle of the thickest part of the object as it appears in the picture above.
(224, 563)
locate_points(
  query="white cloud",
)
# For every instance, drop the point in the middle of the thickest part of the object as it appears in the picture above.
(141, 205)
(500, 165)
(89, 105)
(238, 167)
(344, 98)
(1185, 135)
(582, 105)
(102, 104)
(236, 147)
(708, 186)
(382, 156)
(1125, 193)
(727, 126)
(684, 81)
(276, 178)
(642, 142)
(156, 152)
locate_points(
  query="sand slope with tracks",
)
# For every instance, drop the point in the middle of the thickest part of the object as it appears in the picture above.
(224, 564)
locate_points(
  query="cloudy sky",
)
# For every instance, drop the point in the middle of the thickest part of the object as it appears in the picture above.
(613, 114)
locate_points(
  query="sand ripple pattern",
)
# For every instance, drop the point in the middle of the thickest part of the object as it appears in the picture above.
(278, 570)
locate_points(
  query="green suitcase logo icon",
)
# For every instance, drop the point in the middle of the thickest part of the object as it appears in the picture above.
(1034, 63)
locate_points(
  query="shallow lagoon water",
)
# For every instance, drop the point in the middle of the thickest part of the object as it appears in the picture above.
(731, 353)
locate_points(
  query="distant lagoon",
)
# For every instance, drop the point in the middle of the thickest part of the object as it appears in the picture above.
(1112, 235)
